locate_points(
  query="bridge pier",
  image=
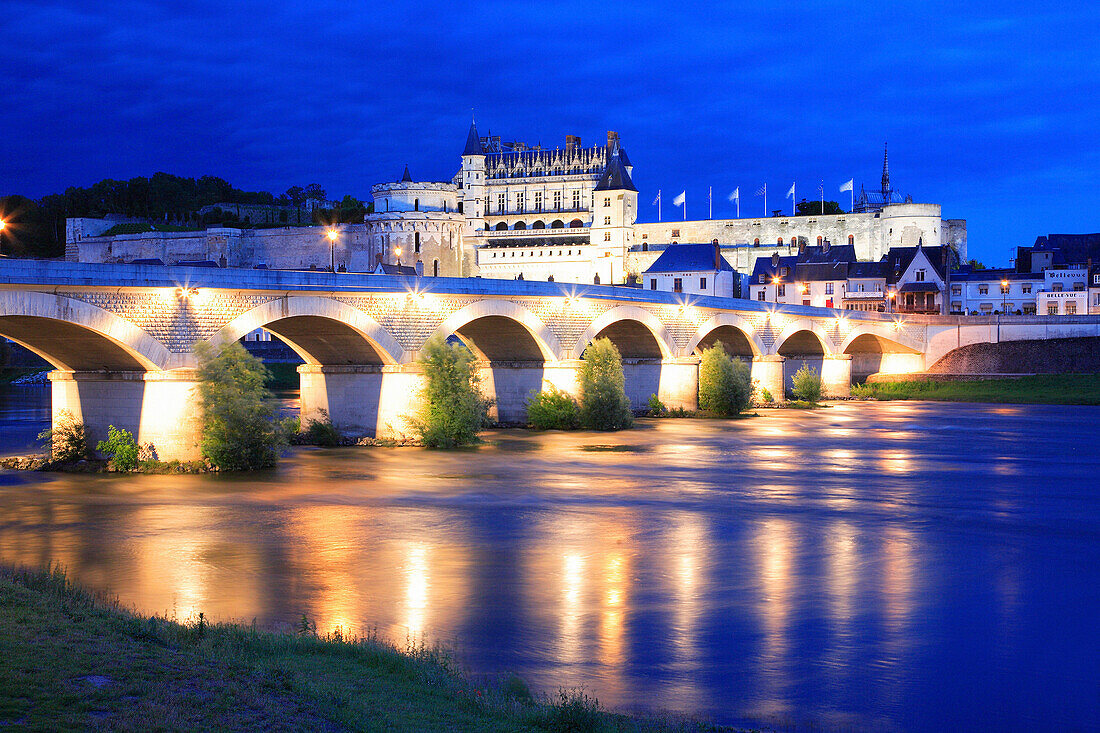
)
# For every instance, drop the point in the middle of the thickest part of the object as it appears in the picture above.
(767, 372)
(679, 385)
(158, 407)
(511, 383)
(348, 393)
(836, 375)
(901, 363)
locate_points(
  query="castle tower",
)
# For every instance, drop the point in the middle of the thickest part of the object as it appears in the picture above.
(473, 181)
(614, 211)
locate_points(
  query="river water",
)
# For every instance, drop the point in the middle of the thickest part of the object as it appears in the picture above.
(872, 566)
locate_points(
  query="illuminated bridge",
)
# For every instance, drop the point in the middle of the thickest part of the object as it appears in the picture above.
(121, 339)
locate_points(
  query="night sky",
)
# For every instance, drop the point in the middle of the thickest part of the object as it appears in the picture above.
(990, 109)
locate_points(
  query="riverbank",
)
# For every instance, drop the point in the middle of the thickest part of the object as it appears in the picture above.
(72, 659)
(1047, 389)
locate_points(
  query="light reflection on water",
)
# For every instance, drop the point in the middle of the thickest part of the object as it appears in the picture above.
(850, 567)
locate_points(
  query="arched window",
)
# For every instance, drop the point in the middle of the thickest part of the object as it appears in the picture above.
(416, 242)
(819, 241)
(520, 225)
(714, 241)
(435, 268)
(779, 241)
(756, 242)
(539, 224)
(460, 207)
(851, 239)
(557, 224)
(576, 224)
(794, 241)
(645, 246)
(502, 226)
(416, 204)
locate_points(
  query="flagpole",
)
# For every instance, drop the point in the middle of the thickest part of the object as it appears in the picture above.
(738, 202)
(658, 204)
(852, 191)
(710, 202)
(765, 200)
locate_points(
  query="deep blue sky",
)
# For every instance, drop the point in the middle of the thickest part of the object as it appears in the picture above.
(991, 109)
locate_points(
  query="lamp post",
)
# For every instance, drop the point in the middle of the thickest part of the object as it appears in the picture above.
(1004, 294)
(890, 303)
(775, 282)
(397, 251)
(802, 288)
(332, 248)
(2, 225)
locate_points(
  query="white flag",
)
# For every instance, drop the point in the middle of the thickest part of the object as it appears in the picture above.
(847, 186)
(656, 200)
(762, 191)
(790, 194)
(736, 195)
(679, 200)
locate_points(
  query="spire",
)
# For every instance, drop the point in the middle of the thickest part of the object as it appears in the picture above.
(473, 142)
(406, 178)
(885, 172)
(615, 176)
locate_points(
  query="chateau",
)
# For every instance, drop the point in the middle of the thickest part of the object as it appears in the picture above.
(512, 210)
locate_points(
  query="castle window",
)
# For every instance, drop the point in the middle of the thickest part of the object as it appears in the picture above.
(460, 207)
(500, 203)
(538, 200)
(576, 224)
(819, 241)
(502, 226)
(851, 239)
(416, 242)
(520, 203)
(675, 232)
(714, 241)
(779, 241)
(756, 242)
(576, 200)
(607, 221)
(435, 268)
(557, 200)
(416, 204)
(520, 225)
(607, 236)
(606, 201)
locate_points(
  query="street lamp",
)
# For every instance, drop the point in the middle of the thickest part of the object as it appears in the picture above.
(397, 251)
(775, 282)
(802, 288)
(1004, 294)
(331, 234)
(890, 304)
(2, 225)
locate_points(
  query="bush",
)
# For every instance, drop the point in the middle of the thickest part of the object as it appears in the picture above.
(552, 409)
(121, 448)
(318, 431)
(238, 433)
(655, 408)
(452, 409)
(604, 405)
(863, 391)
(806, 384)
(67, 440)
(725, 385)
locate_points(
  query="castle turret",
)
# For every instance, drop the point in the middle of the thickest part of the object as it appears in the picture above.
(614, 211)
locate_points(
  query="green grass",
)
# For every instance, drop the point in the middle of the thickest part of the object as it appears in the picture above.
(70, 659)
(1052, 389)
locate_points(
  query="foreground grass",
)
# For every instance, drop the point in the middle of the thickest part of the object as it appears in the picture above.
(72, 660)
(1053, 389)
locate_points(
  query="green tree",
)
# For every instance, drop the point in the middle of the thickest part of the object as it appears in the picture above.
(813, 208)
(552, 409)
(238, 433)
(976, 265)
(604, 404)
(806, 384)
(451, 409)
(121, 448)
(725, 384)
(67, 439)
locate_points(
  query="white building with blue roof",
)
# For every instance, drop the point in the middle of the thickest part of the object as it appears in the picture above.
(693, 269)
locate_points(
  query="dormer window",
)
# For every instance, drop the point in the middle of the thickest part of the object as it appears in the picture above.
(920, 276)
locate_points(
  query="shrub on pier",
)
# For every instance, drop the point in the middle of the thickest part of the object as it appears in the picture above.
(604, 404)
(238, 432)
(121, 448)
(725, 384)
(806, 384)
(452, 409)
(552, 409)
(67, 440)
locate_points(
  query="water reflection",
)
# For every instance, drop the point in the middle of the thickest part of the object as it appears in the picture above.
(797, 568)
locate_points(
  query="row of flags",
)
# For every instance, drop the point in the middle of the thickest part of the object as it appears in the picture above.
(735, 196)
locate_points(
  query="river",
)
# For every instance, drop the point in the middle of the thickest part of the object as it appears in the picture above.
(881, 566)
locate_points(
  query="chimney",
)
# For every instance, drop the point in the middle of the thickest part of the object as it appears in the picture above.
(717, 256)
(612, 140)
(572, 143)
(801, 245)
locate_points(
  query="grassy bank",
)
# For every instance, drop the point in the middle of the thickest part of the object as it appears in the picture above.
(9, 374)
(1053, 389)
(72, 660)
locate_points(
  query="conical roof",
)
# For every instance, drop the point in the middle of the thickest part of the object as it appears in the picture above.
(406, 178)
(473, 142)
(615, 176)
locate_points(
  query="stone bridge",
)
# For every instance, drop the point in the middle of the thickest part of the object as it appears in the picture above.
(121, 339)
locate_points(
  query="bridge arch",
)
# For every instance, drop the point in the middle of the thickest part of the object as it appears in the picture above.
(732, 331)
(513, 346)
(76, 336)
(882, 348)
(886, 336)
(322, 331)
(641, 333)
(802, 333)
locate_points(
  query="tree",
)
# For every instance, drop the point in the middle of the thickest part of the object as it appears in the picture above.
(975, 265)
(314, 192)
(451, 410)
(121, 448)
(238, 432)
(604, 404)
(725, 385)
(813, 208)
(552, 409)
(806, 384)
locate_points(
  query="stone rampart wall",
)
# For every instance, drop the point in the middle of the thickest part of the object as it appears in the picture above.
(1048, 356)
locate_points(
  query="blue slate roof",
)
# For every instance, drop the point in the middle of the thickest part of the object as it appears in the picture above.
(689, 258)
(615, 177)
(473, 143)
(764, 267)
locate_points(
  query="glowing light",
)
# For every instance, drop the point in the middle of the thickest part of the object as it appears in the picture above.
(191, 294)
(802, 288)
(397, 251)
(2, 225)
(331, 234)
(897, 325)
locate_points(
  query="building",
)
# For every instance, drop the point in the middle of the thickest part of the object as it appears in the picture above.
(985, 292)
(516, 210)
(694, 269)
